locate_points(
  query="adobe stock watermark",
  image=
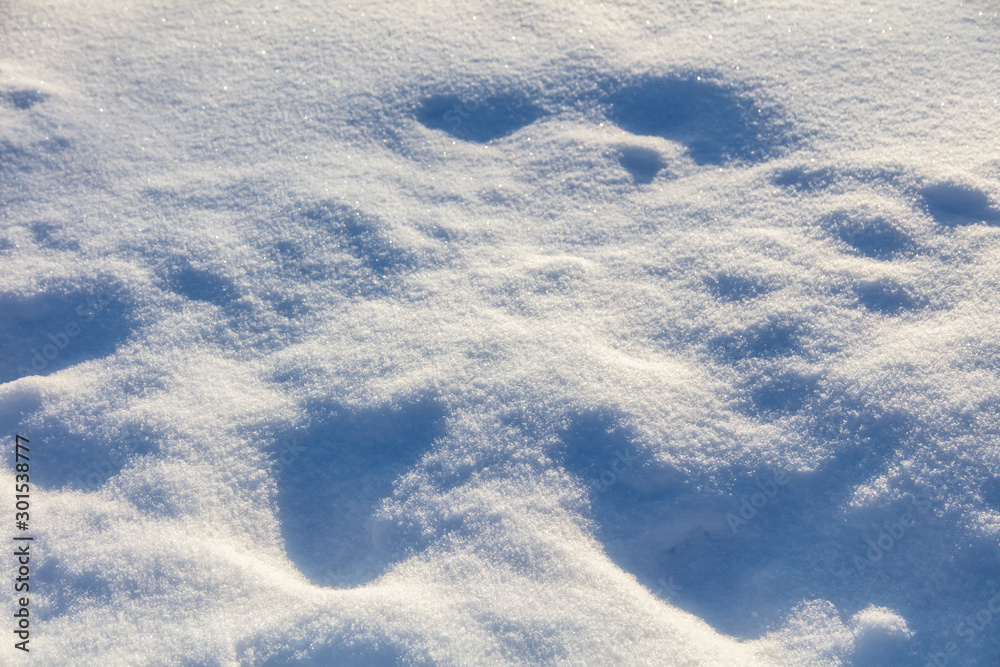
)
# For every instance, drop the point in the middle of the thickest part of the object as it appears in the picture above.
(458, 113)
(61, 338)
(888, 535)
(615, 471)
(286, 456)
(968, 629)
(751, 506)
(93, 476)
(667, 588)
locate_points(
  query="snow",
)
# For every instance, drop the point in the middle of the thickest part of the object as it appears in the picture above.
(529, 332)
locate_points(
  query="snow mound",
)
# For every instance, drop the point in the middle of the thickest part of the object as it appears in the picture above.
(464, 334)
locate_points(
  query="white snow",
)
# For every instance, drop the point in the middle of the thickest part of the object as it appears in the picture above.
(517, 333)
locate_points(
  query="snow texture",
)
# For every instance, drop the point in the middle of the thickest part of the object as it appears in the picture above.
(526, 332)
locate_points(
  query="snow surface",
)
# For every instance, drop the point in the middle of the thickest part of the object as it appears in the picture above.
(506, 333)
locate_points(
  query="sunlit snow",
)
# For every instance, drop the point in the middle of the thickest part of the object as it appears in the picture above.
(496, 334)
